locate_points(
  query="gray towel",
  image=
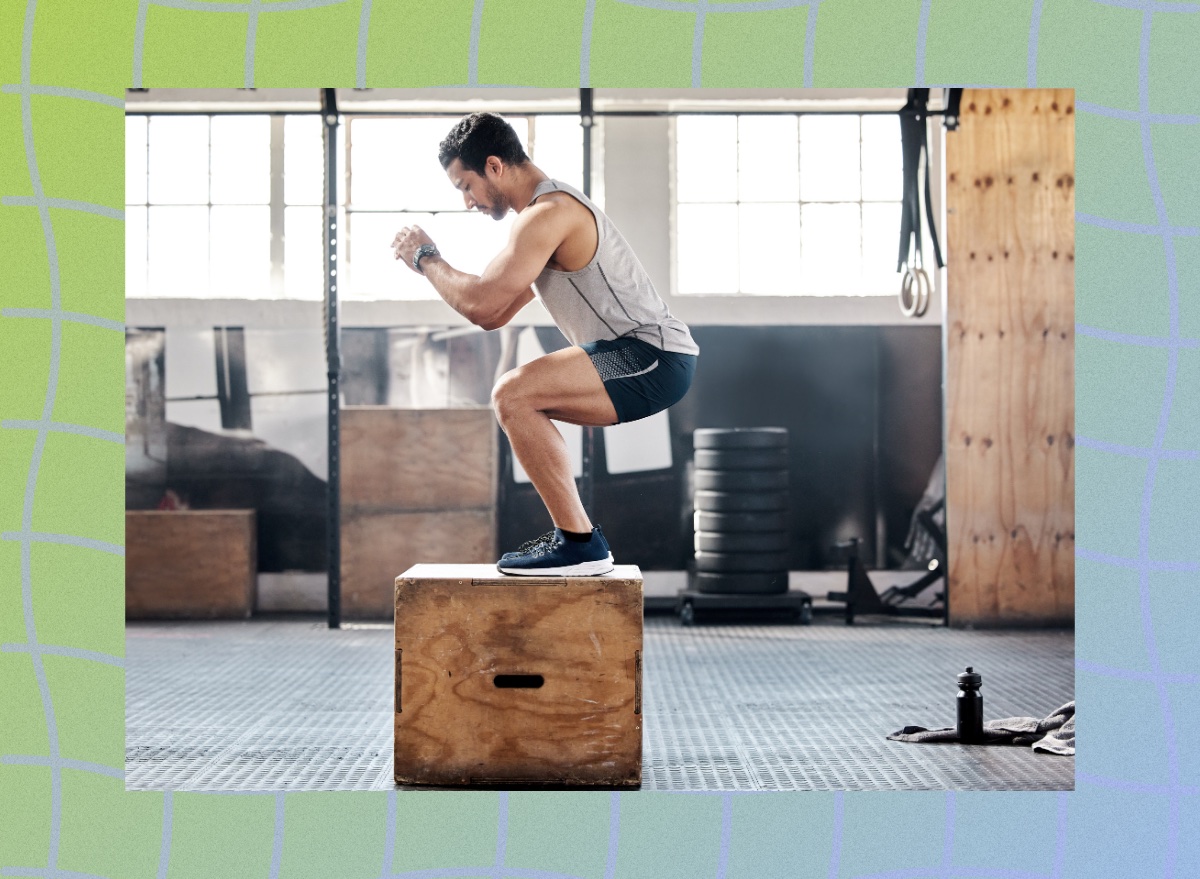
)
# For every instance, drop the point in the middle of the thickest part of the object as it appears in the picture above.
(1052, 735)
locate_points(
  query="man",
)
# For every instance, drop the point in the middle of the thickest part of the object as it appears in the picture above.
(630, 357)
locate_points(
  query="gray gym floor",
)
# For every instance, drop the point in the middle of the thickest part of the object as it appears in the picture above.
(290, 705)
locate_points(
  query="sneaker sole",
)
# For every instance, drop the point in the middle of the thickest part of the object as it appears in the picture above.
(585, 569)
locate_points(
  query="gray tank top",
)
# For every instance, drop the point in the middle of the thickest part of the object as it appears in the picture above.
(611, 296)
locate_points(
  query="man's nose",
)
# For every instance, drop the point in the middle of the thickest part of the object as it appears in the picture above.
(468, 201)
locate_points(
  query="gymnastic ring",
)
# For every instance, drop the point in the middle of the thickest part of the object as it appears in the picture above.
(923, 290)
(907, 308)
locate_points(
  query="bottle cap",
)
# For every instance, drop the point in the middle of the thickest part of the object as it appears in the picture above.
(970, 678)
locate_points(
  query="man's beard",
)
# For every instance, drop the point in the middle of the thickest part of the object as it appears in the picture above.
(499, 206)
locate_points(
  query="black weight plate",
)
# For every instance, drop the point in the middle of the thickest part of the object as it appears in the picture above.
(745, 541)
(741, 480)
(740, 501)
(735, 562)
(725, 523)
(742, 459)
(739, 438)
(754, 583)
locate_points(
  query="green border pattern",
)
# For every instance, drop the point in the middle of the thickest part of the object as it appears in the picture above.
(63, 67)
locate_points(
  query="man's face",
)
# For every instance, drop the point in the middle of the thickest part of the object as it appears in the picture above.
(478, 190)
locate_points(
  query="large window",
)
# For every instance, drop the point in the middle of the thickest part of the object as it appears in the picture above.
(395, 181)
(198, 206)
(229, 206)
(787, 205)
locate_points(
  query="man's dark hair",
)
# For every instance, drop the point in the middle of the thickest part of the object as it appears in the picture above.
(478, 136)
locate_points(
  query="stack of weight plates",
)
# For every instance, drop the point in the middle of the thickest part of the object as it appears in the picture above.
(741, 501)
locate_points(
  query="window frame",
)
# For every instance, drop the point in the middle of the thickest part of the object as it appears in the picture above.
(275, 223)
(277, 204)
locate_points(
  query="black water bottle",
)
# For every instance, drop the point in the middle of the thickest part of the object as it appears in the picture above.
(970, 707)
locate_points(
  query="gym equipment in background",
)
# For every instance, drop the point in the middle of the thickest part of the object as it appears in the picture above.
(741, 541)
(861, 596)
(916, 286)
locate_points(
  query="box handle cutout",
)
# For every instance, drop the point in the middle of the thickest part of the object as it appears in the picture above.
(524, 682)
(399, 653)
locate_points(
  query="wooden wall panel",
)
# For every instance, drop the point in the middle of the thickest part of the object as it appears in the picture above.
(376, 546)
(417, 486)
(1010, 381)
(415, 459)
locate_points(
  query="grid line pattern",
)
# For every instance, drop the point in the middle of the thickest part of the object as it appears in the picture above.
(1156, 785)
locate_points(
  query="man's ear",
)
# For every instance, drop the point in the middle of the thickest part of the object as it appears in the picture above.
(495, 165)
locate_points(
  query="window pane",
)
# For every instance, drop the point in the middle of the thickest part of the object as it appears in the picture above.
(768, 158)
(469, 241)
(374, 271)
(705, 249)
(394, 165)
(178, 159)
(829, 160)
(241, 253)
(135, 252)
(303, 253)
(241, 160)
(769, 245)
(135, 160)
(558, 148)
(303, 160)
(883, 162)
(178, 252)
(374, 162)
(830, 252)
(706, 158)
(881, 244)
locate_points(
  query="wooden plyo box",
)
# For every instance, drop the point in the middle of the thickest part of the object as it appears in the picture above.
(189, 564)
(513, 681)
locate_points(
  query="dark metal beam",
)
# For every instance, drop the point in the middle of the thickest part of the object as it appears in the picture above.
(587, 480)
(333, 357)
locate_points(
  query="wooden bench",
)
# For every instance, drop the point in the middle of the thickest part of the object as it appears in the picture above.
(513, 681)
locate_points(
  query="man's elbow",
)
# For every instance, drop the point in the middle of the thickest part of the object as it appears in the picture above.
(491, 315)
(486, 318)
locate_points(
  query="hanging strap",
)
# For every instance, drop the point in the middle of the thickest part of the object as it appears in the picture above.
(915, 150)
(937, 250)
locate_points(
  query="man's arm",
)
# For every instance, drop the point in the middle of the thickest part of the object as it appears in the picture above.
(519, 303)
(491, 299)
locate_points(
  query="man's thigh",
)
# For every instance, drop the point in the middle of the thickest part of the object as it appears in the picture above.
(565, 386)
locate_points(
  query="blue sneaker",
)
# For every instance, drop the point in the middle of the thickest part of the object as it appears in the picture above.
(548, 537)
(559, 557)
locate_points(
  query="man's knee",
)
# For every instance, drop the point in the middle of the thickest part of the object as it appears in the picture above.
(507, 396)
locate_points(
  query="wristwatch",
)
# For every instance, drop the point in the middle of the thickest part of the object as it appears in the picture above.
(423, 251)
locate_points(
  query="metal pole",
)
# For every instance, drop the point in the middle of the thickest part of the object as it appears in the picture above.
(586, 118)
(333, 356)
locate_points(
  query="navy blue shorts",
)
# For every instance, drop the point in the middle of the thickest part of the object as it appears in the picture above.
(640, 379)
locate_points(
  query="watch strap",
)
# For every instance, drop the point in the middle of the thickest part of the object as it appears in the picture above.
(423, 251)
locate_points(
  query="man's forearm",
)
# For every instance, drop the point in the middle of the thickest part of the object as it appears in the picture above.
(463, 292)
